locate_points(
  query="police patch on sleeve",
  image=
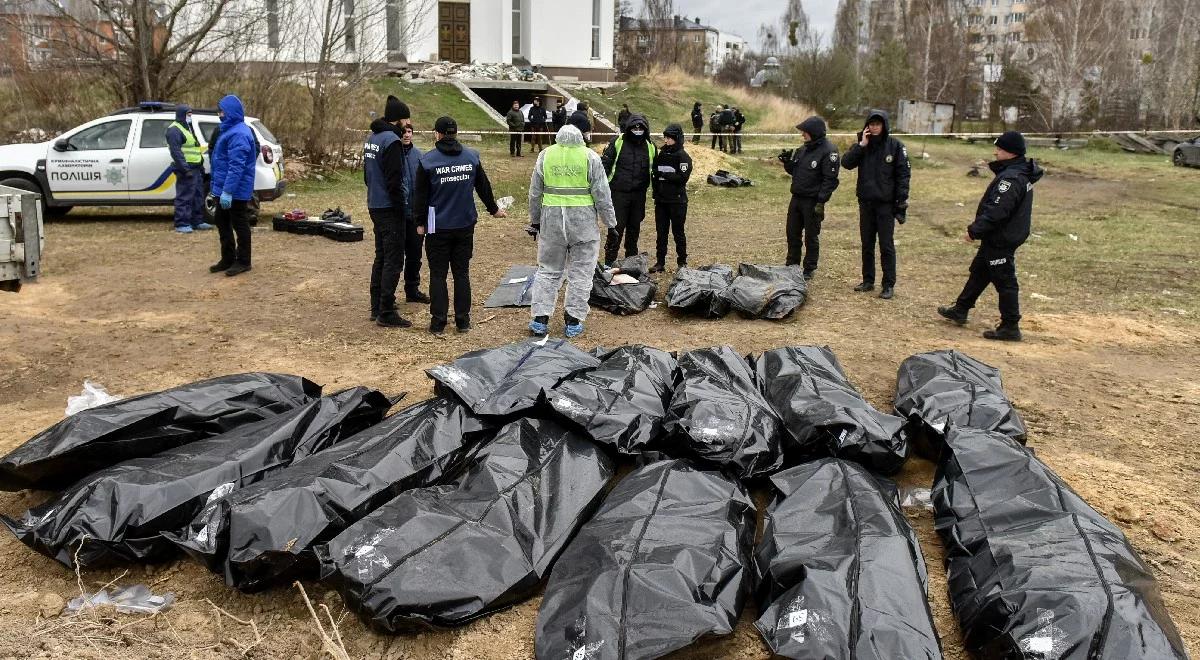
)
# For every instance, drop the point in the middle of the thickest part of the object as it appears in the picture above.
(813, 165)
(833, 157)
(889, 158)
(1004, 187)
(683, 167)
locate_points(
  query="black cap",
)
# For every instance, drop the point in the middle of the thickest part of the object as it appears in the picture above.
(395, 110)
(446, 126)
(1012, 142)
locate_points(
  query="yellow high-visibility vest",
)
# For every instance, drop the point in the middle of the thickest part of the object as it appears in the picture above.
(193, 154)
(565, 174)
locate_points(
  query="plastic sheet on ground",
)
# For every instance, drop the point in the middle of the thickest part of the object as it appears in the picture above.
(446, 555)
(515, 289)
(127, 600)
(622, 403)
(719, 415)
(119, 513)
(766, 292)
(698, 290)
(264, 533)
(144, 425)
(663, 563)
(940, 388)
(823, 413)
(840, 571)
(512, 378)
(624, 299)
(1033, 571)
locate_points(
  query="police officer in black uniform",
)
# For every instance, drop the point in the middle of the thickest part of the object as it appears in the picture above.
(384, 173)
(814, 169)
(672, 169)
(882, 197)
(1002, 224)
(447, 180)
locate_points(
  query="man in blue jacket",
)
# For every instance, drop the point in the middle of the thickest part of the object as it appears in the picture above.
(233, 162)
(187, 163)
(447, 180)
(387, 204)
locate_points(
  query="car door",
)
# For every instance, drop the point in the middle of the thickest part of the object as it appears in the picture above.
(94, 163)
(151, 177)
(1192, 153)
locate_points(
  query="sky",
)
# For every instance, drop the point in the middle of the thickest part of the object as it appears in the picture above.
(742, 17)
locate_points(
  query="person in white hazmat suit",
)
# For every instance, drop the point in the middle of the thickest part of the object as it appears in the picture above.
(567, 193)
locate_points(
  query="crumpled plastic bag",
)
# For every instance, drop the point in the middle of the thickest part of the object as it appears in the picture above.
(147, 424)
(663, 563)
(611, 295)
(766, 292)
(824, 415)
(941, 388)
(264, 533)
(447, 555)
(1033, 570)
(718, 415)
(698, 290)
(510, 379)
(136, 599)
(727, 179)
(621, 403)
(119, 513)
(92, 395)
(841, 573)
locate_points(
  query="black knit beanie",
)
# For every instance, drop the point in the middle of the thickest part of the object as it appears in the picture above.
(395, 110)
(1012, 142)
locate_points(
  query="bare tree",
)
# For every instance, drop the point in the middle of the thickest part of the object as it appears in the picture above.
(788, 34)
(664, 42)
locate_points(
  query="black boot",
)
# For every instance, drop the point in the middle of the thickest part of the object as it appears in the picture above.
(1004, 332)
(865, 286)
(954, 313)
(220, 266)
(658, 268)
(416, 296)
(237, 269)
(390, 319)
(462, 325)
(887, 293)
(539, 326)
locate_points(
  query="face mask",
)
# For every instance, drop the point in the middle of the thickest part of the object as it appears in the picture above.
(638, 132)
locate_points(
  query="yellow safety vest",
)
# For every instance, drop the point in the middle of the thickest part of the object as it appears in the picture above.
(621, 143)
(565, 175)
(193, 154)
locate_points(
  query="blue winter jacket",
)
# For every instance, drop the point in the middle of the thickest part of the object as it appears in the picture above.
(175, 139)
(235, 154)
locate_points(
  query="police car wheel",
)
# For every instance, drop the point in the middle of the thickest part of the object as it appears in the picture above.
(1178, 159)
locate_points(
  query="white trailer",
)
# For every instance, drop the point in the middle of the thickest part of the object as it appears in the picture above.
(21, 237)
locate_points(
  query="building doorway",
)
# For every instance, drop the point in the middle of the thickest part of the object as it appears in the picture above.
(454, 32)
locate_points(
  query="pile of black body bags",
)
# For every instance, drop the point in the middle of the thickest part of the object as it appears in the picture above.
(507, 482)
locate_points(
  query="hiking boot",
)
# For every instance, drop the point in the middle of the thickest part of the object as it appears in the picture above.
(1003, 332)
(374, 315)
(390, 319)
(219, 266)
(953, 313)
(887, 293)
(416, 296)
(237, 269)
(865, 286)
(658, 268)
(539, 326)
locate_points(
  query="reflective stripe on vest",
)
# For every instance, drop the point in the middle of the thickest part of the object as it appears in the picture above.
(620, 143)
(565, 175)
(192, 153)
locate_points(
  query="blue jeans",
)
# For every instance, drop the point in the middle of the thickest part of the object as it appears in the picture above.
(189, 197)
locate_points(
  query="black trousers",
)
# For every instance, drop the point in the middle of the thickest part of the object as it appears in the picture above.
(877, 221)
(390, 237)
(631, 211)
(233, 227)
(737, 141)
(669, 219)
(450, 251)
(514, 144)
(804, 232)
(717, 137)
(998, 268)
(698, 130)
(414, 245)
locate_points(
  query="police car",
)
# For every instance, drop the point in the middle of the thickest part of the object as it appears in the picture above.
(123, 160)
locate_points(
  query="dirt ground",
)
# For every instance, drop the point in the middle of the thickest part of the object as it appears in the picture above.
(1108, 379)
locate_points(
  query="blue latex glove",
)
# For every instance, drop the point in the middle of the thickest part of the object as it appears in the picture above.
(226, 200)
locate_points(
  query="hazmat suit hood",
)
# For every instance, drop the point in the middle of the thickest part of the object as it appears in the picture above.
(569, 136)
(637, 119)
(235, 112)
(815, 127)
(882, 116)
(181, 113)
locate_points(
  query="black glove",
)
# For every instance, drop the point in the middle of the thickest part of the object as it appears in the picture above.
(819, 208)
(786, 155)
(613, 234)
(533, 230)
(900, 212)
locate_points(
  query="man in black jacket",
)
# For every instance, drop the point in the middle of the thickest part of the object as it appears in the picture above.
(814, 169)
(672, 169)
(739, 120)
(384, 165)
(1002, 223)
(579, 119)
(882, 197)
(727, 120)
(697, 122)
(537, 124)
(628, 161)
(558, 118)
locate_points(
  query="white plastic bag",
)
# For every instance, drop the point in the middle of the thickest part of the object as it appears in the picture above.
(93, 395)
(127, 600)
(505, 203)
